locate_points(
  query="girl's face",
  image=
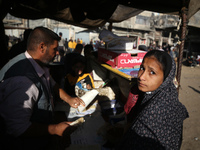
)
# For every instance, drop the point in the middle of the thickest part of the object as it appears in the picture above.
(78, 68)
(150, 75)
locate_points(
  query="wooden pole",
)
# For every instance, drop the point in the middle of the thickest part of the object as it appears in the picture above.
(183, 35)
(110, 27)
(4, 48)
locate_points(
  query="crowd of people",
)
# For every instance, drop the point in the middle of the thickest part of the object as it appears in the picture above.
(192, 60)
(28, 97)
(171, 50)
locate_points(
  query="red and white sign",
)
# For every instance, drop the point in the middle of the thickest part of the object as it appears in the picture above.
(121, 58)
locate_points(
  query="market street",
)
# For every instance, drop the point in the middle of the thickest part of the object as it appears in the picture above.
(190, 97)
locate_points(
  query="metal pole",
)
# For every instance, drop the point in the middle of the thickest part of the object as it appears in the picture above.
(183, 35)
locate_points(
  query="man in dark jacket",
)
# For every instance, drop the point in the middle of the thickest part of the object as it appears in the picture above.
(27, 94)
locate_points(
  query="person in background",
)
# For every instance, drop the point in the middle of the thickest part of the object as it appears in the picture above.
(88, 53)
(66, 45)
(27, 96)
(68, 59)
(97, 45)
(78, 77)
(62, 56)
(70, 45)
(61, 44)
(153, 110)
(150, 47)
(166, 48)
(81, 41)
(78, 49)
(173, 53)
(160, 48)
(20, 47)
(78, 41)
(198, 60)
(59, 58)
(91, 42)
(74, 44)
(88, 49)
(191, 61)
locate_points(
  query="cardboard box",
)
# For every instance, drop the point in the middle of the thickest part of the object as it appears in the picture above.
(121, 59)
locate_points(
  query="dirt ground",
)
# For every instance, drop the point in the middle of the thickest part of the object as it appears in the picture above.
(189, 95)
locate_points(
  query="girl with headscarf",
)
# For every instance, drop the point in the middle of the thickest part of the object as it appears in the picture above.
(153, 108)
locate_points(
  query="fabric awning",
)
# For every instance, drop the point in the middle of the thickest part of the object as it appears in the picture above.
(92, 13)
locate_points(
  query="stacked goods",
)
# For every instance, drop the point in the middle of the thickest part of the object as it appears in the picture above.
(121, 59)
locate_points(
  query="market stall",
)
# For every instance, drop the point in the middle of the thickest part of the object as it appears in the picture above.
(91, 15)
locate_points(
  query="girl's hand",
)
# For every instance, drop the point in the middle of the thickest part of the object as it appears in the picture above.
(75, 102)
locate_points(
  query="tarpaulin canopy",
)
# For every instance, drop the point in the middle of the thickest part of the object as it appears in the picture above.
(92, 13)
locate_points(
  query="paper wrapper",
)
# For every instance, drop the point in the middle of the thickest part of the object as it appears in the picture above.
(77, 122)
(87, 98)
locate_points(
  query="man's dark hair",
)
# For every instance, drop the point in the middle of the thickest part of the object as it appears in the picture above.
(79, 46)
(41, 34)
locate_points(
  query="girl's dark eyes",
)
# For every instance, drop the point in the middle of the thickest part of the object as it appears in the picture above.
(141, 68)
(152, 72)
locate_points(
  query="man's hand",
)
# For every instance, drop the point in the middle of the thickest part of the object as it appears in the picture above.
(75, 102)
(58, 129)
(72, 101)
(38, 130)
